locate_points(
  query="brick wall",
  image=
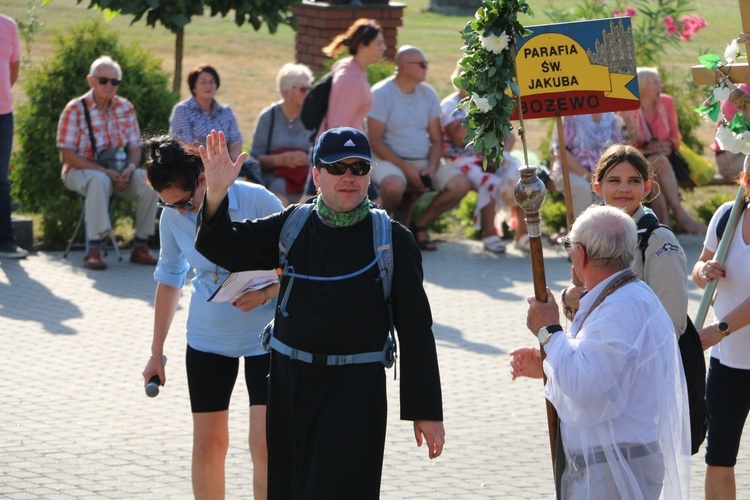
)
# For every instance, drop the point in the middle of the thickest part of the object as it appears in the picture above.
(320, 22)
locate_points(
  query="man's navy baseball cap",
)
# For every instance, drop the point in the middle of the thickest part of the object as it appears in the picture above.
(340, 143)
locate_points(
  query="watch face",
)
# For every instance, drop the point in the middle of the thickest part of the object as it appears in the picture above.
(542, 335)
(723, 326)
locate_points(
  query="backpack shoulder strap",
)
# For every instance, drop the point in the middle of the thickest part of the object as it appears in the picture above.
(647, 225)
(721, 226)
(289, 232)
(383, 240)
(291, 229)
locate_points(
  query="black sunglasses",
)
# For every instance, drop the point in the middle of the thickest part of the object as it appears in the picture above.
(183, 205)
(339, 168)
(103, 81)
(422, 64)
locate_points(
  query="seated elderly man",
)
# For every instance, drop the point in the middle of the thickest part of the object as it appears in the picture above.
(404, 131)
(90, 128)
(616, 379)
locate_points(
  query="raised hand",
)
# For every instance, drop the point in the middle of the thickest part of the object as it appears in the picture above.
(220, 171)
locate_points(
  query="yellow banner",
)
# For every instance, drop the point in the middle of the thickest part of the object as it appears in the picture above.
(554, 63)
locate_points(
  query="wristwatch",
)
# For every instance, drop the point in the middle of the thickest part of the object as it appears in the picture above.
(546, 332)
(724, 328)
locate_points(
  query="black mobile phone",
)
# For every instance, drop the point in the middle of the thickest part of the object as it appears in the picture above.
(426, 180)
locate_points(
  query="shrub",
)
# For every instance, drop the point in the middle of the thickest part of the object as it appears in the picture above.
(62, 77)
(707, 209)
(553, 212)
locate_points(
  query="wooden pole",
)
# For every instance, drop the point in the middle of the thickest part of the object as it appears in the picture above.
(562, 154)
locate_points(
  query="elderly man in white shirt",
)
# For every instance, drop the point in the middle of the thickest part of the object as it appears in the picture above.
(616, 379)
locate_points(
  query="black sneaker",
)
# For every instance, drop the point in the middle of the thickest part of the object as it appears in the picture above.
(11, 251)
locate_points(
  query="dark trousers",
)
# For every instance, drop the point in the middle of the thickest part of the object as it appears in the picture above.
(6, 143)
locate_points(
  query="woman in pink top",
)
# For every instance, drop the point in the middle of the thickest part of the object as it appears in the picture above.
(653, 130)
(351, 98)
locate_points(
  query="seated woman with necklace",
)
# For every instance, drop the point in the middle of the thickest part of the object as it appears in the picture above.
(653, 130)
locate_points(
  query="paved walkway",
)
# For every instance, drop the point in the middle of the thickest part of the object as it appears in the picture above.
(74, 420)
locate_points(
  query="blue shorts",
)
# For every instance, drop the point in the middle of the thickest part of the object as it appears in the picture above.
(211, 378)
(728, 404)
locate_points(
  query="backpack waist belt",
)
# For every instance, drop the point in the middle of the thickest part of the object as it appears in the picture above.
(384, 356)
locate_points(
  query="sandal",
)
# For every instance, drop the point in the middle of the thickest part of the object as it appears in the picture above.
(425, 244)
(493, 244)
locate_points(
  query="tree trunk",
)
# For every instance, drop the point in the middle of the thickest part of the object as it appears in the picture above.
(178, 46)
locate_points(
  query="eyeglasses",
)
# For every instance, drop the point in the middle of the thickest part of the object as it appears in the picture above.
(303, 90)
(339, 168)
(103, 81)
(182, 205)
(568, 244)
(422, 64)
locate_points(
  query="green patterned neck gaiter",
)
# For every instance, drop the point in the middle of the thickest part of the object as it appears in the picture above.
(339, 219)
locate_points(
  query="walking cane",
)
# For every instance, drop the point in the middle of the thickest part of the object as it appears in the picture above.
(721, 251)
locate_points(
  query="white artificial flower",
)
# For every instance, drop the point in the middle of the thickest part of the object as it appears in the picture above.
(732, 51)
(482, 103)
(726, 139)
(495, 44)
(721, 93)
(743, 143)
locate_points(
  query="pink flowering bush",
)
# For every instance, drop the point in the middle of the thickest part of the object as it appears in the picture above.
(657, 25)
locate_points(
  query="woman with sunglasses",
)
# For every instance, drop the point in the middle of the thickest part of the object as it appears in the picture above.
(623, 178)
(281, 142)
(218, 334)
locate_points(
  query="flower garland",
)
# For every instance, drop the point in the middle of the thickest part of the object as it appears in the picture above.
(734, 135)
(489, 71)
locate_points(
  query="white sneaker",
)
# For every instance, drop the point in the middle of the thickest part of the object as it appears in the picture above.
(493, 244)
(523, 243)
(11, 251)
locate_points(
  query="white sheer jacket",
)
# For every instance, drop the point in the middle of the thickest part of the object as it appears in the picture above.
(617, 381)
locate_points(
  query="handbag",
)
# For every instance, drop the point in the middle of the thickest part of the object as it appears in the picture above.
(294, 177)
(681, 169)
(113, 158)
(701, 171)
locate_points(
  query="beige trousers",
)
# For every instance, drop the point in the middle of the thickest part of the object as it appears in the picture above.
(96, 187)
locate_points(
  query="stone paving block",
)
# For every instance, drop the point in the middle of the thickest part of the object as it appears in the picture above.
(75, 422)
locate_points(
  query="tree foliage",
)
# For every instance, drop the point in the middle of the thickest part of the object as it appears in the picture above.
(176, 14)
(49, 87)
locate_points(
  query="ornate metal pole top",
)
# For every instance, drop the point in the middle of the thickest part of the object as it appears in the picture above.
(530, 191)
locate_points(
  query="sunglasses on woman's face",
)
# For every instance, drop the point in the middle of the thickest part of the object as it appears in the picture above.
(339, 168)
(182, 205)
(103, 80)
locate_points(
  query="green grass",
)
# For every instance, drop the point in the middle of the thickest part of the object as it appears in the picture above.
(248, 60)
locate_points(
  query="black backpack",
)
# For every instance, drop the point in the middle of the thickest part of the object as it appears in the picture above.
(315, 106)
(691, 352)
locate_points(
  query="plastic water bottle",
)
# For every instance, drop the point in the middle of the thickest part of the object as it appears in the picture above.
(121, 159)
